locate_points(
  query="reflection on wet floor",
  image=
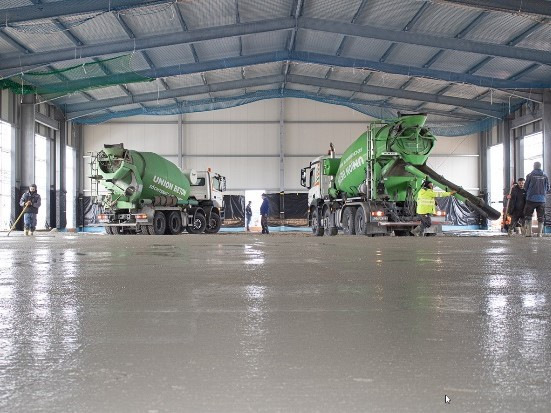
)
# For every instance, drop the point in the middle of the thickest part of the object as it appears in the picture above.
(281, 323)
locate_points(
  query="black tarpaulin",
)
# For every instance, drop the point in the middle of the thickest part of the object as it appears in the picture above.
(234, 211)
(457, 212)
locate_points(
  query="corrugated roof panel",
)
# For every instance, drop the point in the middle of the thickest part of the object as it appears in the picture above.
(171, 55)
(153, 20)
(306, 69)
(107, 92)
(389, 14)
(318, 42)
(303, 88)
(176, 82)
(465, 91)
(499, 28)
(7, 4)
(427, 107)
(444, 19)
(386, 80)
(347, 74)
(40, 42)
(542, 73)
(410, 54)
(263, 70)
(224, 75)
(145, 87)
(426, 85)
(368, 96)
(369, 49)
(503, 68)
(403, 102)
(228, 93)
(264, 42)
(6, 48)
(458, 62)
(208, 13)
(539, 39)
(336, 92)
(339, 10)
(102, 29)
(217, 49)
(254, 10)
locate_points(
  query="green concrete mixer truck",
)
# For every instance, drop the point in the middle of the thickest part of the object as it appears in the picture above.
(148, 194)
(371, 189)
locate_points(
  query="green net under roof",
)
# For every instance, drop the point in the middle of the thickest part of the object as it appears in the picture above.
(114, 71)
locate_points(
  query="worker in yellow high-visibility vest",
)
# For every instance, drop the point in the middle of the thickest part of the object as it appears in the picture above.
(426, 206)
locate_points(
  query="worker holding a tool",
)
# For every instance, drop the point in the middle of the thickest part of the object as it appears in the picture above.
(426, 206)
(30, 200)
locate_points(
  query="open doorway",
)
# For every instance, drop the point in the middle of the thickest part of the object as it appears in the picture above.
(255, 197)
(41, 146)
(533, 151)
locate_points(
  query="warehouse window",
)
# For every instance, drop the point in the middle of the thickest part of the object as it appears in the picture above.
(5, 174)
(495, 165)
(40, 175)
(533, 151)
(70, 185)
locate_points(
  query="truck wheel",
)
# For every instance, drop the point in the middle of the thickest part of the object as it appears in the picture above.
(214, 223)
(174, 223)
(360, 223)
(199, 224)
(328, 230)
(109, 230)
(317, 228)
(148, 230)
(159, 223)
(349, 221)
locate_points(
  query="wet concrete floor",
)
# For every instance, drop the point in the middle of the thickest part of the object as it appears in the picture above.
(279, 323)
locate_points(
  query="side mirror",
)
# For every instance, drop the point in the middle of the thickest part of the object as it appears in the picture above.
(222, 183)
(305, 178)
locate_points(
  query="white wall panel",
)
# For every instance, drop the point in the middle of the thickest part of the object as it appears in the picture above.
(207, 140)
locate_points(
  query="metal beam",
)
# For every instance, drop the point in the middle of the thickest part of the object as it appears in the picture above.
(82, 109)
(538, 7)
(172, 93)
(527, 119)
(232, 62)
(169, 39)
(68, 8)
(421, 39)
(482, 107)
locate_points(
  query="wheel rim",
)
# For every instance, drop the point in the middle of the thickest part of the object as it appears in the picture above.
(361, 223)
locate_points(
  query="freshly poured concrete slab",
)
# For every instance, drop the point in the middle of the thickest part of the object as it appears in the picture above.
(279, 323)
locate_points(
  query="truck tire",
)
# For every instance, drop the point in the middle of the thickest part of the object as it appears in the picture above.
(199, 224)
(349, 221)
(109, 230)
(359, 221)
(214, 223)
(328, 230)
(174, 223)
(159, 223)
(317, 228)
(148, 230)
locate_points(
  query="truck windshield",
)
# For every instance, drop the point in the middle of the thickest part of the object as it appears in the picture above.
(216, 183)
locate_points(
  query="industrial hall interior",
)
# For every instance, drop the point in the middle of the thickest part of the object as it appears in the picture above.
(229, 206)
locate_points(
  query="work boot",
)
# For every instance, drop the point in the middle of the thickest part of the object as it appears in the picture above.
(510, 231)
(417, 231)
(528, 228)
(540, 229)
(26, 231)
(32, 232)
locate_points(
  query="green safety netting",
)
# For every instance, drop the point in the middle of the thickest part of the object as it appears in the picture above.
(100, 73)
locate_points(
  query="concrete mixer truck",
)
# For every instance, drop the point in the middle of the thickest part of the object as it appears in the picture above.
(148, 194)
(372, 188)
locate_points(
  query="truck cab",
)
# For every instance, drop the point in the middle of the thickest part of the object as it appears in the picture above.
(315, 181)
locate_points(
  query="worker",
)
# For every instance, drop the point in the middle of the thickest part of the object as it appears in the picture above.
(31, 200)
(537, 186)
(516, 201)
(264, 211)
(426, 206)
(248, 215)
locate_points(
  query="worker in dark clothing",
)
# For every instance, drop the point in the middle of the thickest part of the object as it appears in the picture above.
(537, 186)
(248, 215)
(517, 201)
(264, 211)
(32, 201)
